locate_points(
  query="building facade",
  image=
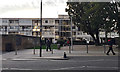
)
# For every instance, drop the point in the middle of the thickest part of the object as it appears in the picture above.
(53, 28)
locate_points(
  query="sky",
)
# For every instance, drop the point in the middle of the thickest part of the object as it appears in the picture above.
(31, 8)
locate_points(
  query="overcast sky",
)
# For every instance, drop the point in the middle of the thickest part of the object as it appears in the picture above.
(31, 8)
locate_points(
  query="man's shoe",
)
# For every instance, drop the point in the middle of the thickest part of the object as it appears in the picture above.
(107, 54)
(114, 54)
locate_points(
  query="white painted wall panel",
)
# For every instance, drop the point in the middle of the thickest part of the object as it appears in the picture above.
(25, 22)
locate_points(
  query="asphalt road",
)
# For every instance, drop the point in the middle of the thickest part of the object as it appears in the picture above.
(74, 63)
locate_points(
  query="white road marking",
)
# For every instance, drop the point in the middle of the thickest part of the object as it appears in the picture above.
(4, 59)
(97, 60)
(19, 69)
(15, 69)
(23, 59)
(85, 60)
(69, 68)
(5, 68)
(101, 67)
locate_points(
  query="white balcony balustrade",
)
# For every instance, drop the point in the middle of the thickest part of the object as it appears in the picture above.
(13, 30)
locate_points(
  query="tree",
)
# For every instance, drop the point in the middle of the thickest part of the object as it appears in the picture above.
(111, 16)
(91, 17)
(118, 19)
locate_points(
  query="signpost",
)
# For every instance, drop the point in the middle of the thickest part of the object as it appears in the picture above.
(34, 43)
(52, 49)
(104, 47)
(18, 42)
(69, 48)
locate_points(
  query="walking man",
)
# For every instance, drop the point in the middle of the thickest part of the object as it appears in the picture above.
(110, 43)
(48, 43)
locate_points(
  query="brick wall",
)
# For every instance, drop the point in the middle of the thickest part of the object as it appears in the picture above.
(10, 42)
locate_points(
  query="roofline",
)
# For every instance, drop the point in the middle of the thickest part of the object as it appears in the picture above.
(34, 18)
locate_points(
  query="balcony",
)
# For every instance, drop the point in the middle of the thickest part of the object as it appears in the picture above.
(27, 29)
(13, 24)
(74, 30)
(26, 33)
(56, 29)
(3, 30)
(13, 30)
(48, 24)
(36, 30)
(48, 36)
(82, 36)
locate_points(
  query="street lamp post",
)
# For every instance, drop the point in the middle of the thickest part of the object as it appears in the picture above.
(71, 35)
(41, 31)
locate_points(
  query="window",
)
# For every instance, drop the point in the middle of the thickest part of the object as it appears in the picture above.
(73, 27)
(4, 21)
(23, 28)
(78, 28)
(11, 27)
(56, 21)
(36, 21)
(5, 28)
(11, 21)
(46, 21)
(16, 21)
(50, 21)
(74, 33)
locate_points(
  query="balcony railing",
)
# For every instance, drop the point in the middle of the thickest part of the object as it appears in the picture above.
(13, 30)
(13, 24)
(48, 35)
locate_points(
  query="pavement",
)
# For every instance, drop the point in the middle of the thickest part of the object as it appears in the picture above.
(78, 59)
(78, 50)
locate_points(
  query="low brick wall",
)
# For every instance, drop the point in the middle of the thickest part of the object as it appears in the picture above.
(11, 42)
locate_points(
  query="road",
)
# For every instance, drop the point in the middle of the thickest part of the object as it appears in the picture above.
(74, 63)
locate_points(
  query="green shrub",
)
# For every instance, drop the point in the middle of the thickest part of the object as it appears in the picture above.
(61, 42)
(53, 46)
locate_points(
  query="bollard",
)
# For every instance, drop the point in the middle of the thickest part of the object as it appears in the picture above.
(52, 51)
(16, 51)
(87, 48)
(65, 55)
(69, 49)
(34, 50)
(104, 49)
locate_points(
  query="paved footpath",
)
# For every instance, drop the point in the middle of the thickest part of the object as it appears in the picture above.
(78, 59)
(79, 50)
